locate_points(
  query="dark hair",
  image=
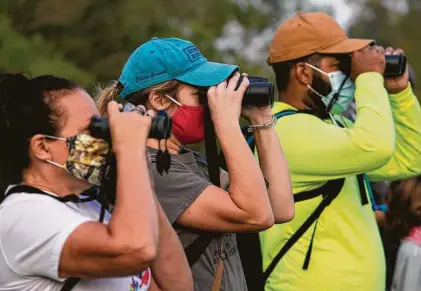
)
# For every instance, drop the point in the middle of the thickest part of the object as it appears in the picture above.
(27, 107)
(400, 219)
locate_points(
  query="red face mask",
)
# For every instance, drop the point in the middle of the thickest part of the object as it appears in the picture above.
(188, 124)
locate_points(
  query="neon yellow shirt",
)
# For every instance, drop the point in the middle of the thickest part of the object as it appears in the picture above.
(347, 250)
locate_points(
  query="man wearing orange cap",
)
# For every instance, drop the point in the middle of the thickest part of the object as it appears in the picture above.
(333, 243)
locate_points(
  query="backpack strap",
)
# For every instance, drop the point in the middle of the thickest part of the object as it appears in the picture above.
(363, 192)
(329, 191)
(92, 194)
(286, 113)
(32, 190)
(197, 248)
(69, 284)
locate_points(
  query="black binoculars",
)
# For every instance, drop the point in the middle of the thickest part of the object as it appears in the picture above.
(160, 128)
(395, 66)
(260, 92)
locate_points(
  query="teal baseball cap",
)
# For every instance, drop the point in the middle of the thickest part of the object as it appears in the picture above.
(164, 59)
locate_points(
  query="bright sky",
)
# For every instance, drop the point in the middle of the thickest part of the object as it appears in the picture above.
(343, 12)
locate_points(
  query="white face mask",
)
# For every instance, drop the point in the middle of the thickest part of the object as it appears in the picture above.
(346, 93)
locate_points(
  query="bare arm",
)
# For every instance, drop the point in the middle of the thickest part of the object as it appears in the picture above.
(128, 244)
(275, 169)
(154, 286)
(170, 270)
(246, 207)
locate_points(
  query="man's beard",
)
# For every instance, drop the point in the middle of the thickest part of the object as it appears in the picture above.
(314, 102)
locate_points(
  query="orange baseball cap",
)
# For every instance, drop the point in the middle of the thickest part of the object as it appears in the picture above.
(309, 33)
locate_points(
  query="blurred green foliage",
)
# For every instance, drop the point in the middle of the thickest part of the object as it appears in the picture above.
(89, 40)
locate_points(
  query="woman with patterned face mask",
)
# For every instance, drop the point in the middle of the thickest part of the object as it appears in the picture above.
(54, 233)
(166, 75)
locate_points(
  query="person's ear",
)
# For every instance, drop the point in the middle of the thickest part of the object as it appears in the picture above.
(39, 147)
(303, 73)
(159, 101)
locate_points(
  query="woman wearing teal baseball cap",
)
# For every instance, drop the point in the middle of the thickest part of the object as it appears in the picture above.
(165, 75)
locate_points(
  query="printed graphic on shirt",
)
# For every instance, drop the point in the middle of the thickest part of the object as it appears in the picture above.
(230, 248)
(141, 282)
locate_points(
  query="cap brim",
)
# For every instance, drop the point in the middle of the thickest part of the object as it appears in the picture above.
(346, 46)
(207, 74)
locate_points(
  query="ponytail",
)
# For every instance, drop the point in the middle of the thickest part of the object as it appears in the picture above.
(112, 93)
(107, 95)
(28, 106)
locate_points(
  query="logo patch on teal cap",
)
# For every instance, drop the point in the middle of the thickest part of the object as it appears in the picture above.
(193, 53)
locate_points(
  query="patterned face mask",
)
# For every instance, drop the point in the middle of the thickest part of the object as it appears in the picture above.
(87, 158)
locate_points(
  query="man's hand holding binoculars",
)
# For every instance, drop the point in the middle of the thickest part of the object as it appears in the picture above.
(397, 84)
(375, 59)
